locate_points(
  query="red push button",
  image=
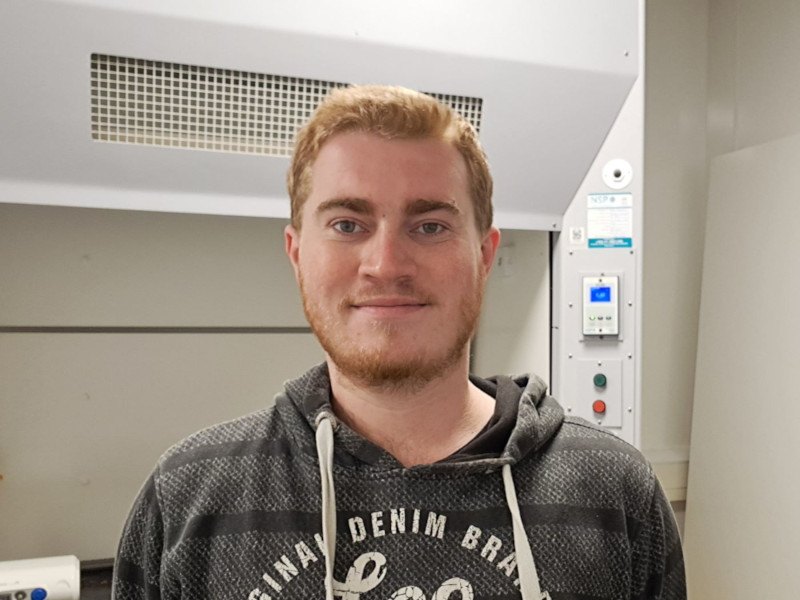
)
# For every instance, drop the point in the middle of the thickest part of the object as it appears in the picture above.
(599, 407)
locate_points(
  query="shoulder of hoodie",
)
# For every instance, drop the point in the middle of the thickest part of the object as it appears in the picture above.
(578, 434)
(264, 430)
(617, 473)
(581, 436)
(605, 452)
(580, 427)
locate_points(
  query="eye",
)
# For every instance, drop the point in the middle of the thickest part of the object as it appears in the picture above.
(347, 226)
(431, 228)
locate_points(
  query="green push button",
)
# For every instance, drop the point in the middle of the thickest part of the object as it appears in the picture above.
(600, 380)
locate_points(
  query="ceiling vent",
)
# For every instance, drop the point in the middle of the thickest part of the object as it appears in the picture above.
(137, 101)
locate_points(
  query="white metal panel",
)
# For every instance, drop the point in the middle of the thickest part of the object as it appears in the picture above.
(505, 30)
(552, 84)
(742, 528)
(617, 357)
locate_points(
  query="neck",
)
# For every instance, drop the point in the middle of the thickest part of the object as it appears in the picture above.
(417, 424)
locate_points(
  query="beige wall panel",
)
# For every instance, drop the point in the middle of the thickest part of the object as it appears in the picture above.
(84, 418)
(768, 80)
(722, 64)
(63, 266)
(675, 191)
(742, 529)
(514, 332)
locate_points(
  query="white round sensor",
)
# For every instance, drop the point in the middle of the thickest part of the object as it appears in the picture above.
(617, 173)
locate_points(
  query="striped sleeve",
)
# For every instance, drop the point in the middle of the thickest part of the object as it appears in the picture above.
(657, 557)
(138, 564)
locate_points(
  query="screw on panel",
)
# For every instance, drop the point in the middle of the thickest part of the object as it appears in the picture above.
(630, 355)
(569, 355)
(630, 303)
(569, 409)
(630, 410)
(570, 305)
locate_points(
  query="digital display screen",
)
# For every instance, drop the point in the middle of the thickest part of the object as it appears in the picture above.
(600, 294)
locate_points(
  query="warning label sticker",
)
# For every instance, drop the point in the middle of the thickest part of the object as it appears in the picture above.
(609, 220)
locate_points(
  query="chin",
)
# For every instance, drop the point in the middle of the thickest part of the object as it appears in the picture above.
(372, 368)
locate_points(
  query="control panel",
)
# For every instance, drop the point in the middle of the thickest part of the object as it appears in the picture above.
(598, 392)
(601, 305)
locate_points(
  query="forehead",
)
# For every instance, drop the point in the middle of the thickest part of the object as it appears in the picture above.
(366, 166)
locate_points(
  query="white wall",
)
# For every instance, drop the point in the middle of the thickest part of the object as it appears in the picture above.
(754, 83)
(721, 76)
(674, 219)
(85, 414)
(77, 266)
(514, 332)
(741, 531)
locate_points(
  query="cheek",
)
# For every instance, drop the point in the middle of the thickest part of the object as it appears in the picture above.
(323, 270)
(461, 269)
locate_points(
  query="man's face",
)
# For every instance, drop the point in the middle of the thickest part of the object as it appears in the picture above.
(390, 264)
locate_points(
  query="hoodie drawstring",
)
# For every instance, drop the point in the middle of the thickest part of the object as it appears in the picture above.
(526, 567)
(325, 455)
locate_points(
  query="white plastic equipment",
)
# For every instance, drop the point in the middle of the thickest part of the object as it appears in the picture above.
(52, 578)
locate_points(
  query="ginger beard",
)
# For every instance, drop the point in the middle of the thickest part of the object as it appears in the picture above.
(377, 363)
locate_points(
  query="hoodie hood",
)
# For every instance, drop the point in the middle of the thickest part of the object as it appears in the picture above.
(538, 418)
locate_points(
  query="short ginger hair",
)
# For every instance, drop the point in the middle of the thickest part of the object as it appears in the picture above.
(390, 113)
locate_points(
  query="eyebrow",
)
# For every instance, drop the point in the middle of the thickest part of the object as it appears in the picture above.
(356, 205)
(361, 206)
(423, 205)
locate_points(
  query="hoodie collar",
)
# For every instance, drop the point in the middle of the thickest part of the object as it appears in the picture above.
(538, 418)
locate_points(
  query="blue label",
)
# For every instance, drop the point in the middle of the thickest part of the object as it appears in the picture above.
(611, 243)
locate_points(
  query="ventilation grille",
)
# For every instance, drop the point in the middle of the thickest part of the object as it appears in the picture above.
(136, 101)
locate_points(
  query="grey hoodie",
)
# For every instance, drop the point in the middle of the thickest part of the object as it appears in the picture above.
(234, 512)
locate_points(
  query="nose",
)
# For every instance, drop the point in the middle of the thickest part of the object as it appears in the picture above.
(388, 256)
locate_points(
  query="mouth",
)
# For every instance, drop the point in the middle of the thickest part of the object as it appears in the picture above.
(389, 307)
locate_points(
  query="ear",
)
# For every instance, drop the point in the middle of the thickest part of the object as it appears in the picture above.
(489, 246)
(291, 238)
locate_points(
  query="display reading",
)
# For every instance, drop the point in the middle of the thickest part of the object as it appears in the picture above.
(601, 294)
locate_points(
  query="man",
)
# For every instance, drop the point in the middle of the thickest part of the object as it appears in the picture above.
(389, 472)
